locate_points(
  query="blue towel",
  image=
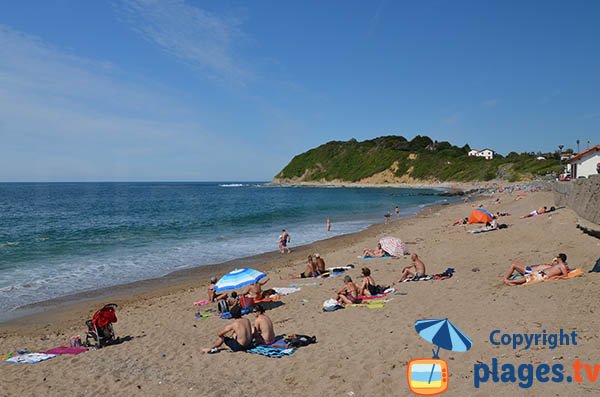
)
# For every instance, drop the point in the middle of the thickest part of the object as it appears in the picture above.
(273, 352)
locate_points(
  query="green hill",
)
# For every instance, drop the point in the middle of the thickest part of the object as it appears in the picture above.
(395, 159)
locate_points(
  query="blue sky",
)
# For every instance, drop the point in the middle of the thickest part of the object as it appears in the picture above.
(231, 90)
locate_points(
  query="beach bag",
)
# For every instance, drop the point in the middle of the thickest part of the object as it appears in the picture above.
(300, 340)
(596, 268)
(222, 306)
(331, 305)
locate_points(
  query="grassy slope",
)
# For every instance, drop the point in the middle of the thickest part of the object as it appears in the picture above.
(353, 161)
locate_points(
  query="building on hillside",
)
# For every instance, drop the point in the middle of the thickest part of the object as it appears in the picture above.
(488, 154)
(585, 163)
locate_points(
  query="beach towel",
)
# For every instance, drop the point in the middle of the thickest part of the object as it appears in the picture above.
(340, 268)
(203, 302)
(273, 352)
(373, 304)
(572, 274)
(66, 350)
(298, 285)
(286, 291)
(29, 358)
(372, 297)
(368, 258)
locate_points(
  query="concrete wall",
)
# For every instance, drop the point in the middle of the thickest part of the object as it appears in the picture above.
(581, 195)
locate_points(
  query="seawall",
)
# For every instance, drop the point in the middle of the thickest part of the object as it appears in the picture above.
(582, 196)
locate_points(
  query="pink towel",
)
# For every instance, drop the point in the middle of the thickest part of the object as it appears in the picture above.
(66, 350)
(202, 302)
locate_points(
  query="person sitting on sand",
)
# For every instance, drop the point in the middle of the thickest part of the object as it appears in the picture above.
(376, 253)
(367, 286)
(233, 300)
(348, 293)
(539, 211)
(415, 270)
(255, 290)
(262, 331)
(212, 295)
(310, 270)
(241, 338)
(559, 267)
(318, 264)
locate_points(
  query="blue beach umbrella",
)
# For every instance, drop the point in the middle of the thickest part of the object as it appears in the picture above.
(442, 333)
(238, 278)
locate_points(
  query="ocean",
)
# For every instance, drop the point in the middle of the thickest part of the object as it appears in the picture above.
(60, 238)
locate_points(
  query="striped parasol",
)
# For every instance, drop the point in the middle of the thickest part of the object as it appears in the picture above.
(393, 246)
(238, 278)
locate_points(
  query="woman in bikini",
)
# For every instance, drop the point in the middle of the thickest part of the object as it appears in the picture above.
(348, 294)
(368, 286)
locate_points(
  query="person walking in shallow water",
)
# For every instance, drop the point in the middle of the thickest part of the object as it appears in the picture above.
(397, 212)
(284, 239)
(329, 224)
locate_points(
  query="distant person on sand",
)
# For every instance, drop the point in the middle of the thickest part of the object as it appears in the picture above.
(310, 269)
(397, 212)
(212, 295)
(318, 264)
(415, 270)
(262, 331)
(284, 239)
(544, 271)
(539, 211)
(348, 293)
(255, 290)
(329, 224)
(376, 253)
(241, 334)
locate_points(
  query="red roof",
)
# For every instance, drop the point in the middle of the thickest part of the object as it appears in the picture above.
(580, 155)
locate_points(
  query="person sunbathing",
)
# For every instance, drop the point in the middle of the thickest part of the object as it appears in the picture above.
(367, 286)
(376, 253)
(310, 270)
(262, 331)
(213, 296)
(241, 337)
(415, 270)
(558, 267)
(539, 211)
(462, 221)
(348, 293)
(255, 290)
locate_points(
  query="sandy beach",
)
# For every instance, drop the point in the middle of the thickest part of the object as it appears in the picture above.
(360, 351)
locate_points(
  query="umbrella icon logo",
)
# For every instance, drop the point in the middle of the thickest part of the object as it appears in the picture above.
(429, 376)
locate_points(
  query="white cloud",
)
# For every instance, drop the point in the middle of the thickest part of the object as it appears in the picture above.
(490, 103)
(69, 117)
(197, 37)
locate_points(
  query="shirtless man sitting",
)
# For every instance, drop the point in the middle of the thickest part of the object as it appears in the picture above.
(376, 253)
(416, 269)
(559, 267)
(348, 293)
(255, 290)
(262, 331)
(318, 264)
(310, 270)
(241, 337)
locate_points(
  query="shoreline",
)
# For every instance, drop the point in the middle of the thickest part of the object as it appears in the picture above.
(42, 312)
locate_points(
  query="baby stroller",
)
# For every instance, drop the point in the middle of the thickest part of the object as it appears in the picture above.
(100, 329)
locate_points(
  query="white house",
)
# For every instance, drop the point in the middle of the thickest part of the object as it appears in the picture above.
(585, 163)
(488, 154)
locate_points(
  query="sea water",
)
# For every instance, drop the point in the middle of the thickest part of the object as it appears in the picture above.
(61, 238)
